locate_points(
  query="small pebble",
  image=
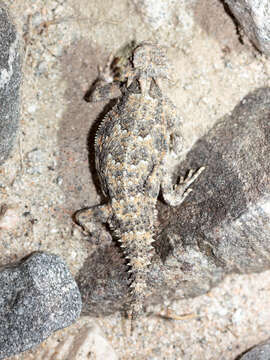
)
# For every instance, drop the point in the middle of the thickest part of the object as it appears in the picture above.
(9, 218)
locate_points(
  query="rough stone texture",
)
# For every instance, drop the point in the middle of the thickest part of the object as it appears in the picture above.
(222, 228)
(10, 78)
(259, 352)
(212, 73)
(37, 297)
(254, 17)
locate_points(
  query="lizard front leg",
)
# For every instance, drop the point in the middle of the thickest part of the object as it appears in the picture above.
(92, 219)
(175, 194)
(105, 87)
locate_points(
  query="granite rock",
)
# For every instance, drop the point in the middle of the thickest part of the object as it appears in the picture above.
(10, 78)
(254, 17)
(259, 352)
(37, 297)
(221, 228)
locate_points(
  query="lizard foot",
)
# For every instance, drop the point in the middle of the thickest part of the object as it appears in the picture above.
(174, 195)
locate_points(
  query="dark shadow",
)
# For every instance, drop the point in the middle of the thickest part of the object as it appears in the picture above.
(235, 21)
(103, 281)
(76, 160)
(209, 223)
(91, 146)
(235, 153)
(233, 183)
(216, 19)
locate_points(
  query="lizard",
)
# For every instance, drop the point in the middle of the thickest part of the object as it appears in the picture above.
(133, 146)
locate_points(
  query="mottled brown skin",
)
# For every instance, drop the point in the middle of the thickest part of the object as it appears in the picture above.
(133, 145)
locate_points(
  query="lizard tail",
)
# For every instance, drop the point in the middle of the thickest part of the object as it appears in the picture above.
(138, 250)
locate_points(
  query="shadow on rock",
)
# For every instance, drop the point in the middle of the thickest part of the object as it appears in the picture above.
(78, 126)
(222, 227)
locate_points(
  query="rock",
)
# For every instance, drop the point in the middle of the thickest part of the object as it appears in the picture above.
(10, 78)
(37, 297)
(259, 352)
(221, 228)
(254, 17)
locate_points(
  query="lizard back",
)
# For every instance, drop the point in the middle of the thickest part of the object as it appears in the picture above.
(130, 142)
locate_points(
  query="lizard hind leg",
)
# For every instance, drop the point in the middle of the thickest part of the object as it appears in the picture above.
(174, 195)
(91, 219)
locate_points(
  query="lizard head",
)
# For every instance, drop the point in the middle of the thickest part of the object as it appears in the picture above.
(150, 61)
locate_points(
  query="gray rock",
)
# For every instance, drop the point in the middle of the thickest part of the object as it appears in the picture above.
(221, 228)
(10, 78)
(37, 297)
(259, 352)
(254, 17)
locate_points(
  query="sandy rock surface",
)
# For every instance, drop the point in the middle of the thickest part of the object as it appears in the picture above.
(49, 176)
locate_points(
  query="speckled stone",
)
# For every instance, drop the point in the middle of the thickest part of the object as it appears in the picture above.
(37, 297)
(222, 228)
(254, 17)
(10, 78)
